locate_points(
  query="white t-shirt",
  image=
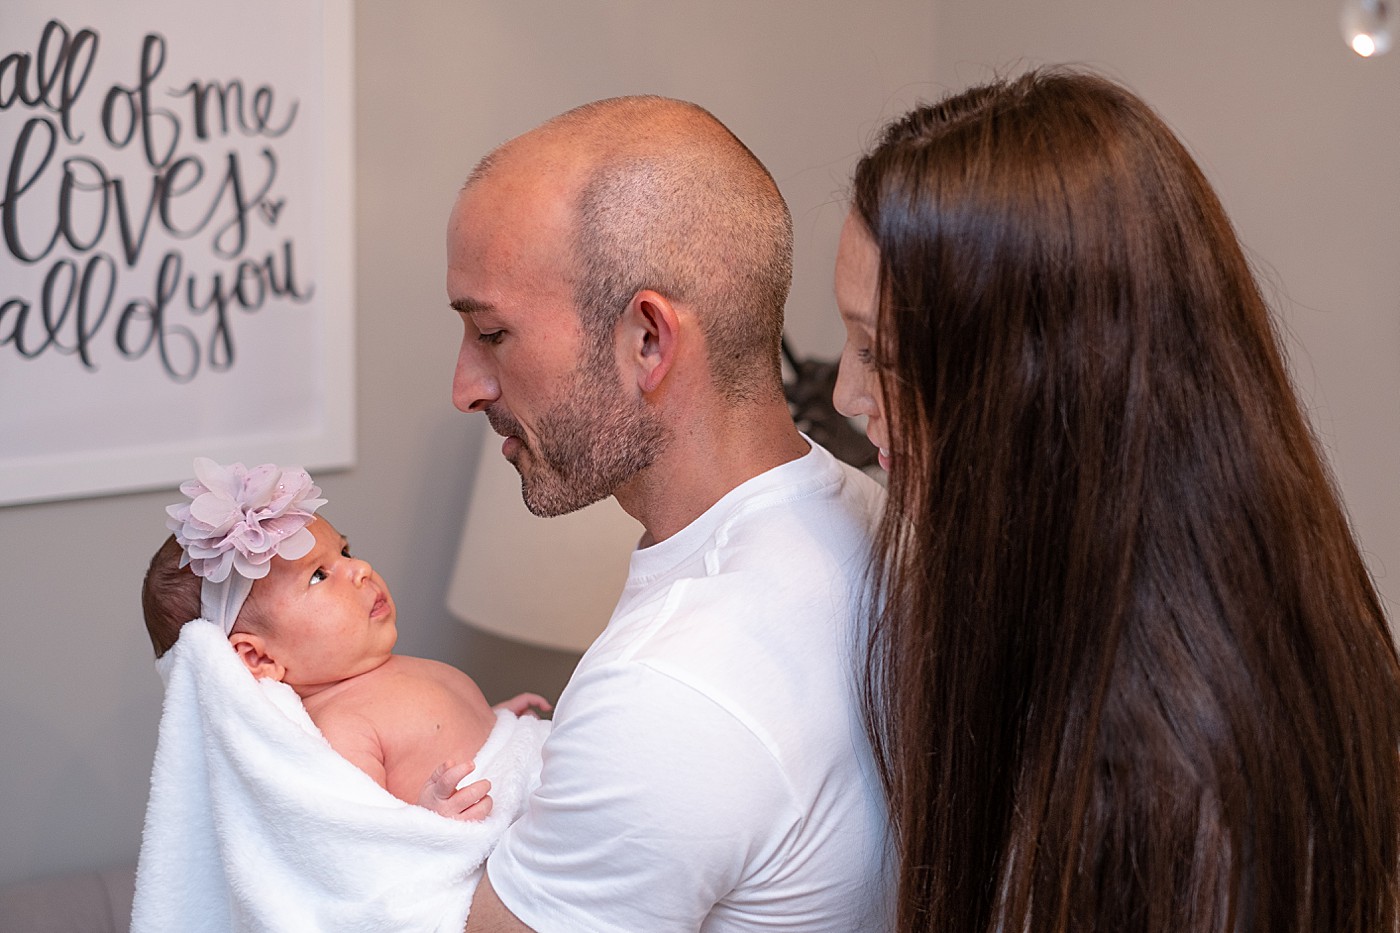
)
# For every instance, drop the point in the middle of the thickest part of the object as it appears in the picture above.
(708, 769)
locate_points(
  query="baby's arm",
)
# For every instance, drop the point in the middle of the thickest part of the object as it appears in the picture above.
(442, 795)
(447, 795)
(355, 739)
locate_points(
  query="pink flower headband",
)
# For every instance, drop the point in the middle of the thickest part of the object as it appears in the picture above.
(236, 521)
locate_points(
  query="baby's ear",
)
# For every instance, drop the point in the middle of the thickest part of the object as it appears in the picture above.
(252, 651)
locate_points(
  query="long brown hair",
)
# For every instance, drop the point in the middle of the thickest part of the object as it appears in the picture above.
(1128, 670)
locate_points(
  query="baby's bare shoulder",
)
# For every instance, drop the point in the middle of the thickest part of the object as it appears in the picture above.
(409, 666)
(403, 696)
(433, 714)
(397, 677)
(422, 688)
(429, 676)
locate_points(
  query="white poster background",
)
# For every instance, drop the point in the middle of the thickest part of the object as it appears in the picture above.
(159, 159)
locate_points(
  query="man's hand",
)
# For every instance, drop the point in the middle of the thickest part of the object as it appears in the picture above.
(526, 704)
(441, 794)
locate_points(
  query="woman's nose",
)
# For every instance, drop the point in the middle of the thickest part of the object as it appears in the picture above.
(850, 394)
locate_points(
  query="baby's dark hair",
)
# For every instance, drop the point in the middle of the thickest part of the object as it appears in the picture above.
(169, 596)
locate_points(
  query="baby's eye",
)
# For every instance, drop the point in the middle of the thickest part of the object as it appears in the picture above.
(345, 551)
(318, 576)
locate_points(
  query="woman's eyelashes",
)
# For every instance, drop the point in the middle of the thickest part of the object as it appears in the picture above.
(872, 358)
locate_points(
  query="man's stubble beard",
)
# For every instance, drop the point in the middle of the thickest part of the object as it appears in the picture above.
(591, 442)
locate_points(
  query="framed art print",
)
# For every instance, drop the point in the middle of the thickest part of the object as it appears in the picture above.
(176, 234)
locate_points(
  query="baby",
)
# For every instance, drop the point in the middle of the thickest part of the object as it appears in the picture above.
(249, 552)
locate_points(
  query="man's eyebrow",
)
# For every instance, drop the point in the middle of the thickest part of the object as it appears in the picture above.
(471, 305)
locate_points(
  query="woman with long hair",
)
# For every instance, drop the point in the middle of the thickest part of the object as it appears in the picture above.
(1127, 670)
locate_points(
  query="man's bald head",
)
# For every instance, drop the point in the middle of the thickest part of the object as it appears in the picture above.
(664, 197)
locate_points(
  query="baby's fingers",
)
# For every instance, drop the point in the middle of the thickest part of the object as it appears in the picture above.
(526, 704)
(479, 810)
(442, 783)
(472, 802)
(536, 701)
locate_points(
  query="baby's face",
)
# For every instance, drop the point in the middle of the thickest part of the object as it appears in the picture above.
(328, 615)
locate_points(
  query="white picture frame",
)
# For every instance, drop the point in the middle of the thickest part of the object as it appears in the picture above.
(176, 241)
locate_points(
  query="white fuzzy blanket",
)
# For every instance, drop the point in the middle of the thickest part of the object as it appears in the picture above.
(254, 822)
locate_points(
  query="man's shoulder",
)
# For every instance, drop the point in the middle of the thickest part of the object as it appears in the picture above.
(810, 543)
(821, 476)
(769, 632)
(787, 567)
(829, 505)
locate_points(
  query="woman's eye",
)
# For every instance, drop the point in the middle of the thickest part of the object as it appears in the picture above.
(873, 359)
(318, 576)
(491, 338)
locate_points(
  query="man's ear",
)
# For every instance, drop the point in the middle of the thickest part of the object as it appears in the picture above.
(651, 327)
(252, 651)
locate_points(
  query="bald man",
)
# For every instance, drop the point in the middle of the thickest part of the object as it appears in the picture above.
(620, 273)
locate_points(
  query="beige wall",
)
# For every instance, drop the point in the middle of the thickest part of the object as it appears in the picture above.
(1302, 138)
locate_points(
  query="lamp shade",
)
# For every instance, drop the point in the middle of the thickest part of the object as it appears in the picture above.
(551, 582)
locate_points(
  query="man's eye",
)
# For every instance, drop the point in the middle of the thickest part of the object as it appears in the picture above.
(491, 338)
(318, 576)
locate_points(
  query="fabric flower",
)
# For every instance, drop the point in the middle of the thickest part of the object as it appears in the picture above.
(238, 519)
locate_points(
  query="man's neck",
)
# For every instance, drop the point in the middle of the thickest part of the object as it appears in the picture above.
(705, 460)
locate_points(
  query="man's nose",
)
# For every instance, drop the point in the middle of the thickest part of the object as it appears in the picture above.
(474, 383)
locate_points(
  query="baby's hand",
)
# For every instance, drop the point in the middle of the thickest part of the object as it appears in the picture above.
(441, 795)
(526, 704)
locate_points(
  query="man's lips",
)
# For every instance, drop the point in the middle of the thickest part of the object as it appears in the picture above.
(508, 428)
(504, 424)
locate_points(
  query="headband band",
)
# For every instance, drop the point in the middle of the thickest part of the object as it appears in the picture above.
(236, 521)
